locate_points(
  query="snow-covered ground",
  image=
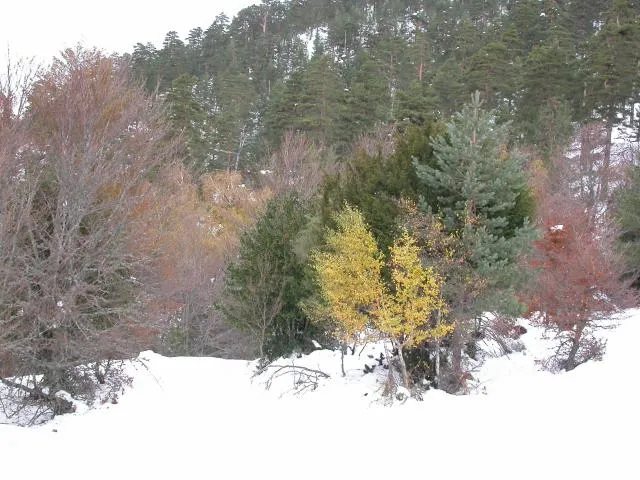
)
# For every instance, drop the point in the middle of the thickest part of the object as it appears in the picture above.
(198, 418)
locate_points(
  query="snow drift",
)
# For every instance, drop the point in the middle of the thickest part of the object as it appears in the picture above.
(211, 418)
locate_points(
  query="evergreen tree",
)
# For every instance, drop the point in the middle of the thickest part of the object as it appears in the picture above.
(172, 60)
(494, 71)
(374, 185)
(613, 63)
(265, 285)
(549, 77)
(449, 87)
(628, 213)
(367, 101)
(321, 101)
(478, 189)
(188, 119)
(144, 63)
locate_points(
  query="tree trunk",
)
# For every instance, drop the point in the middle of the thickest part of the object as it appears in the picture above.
(403, 366)
(606, 165)
(343, 348)
(437, 359)
(575, 344)
(456, 350)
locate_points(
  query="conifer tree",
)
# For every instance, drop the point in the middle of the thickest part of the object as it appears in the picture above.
(188, 119)
(628, 213)
(480, 192)
(265, 284)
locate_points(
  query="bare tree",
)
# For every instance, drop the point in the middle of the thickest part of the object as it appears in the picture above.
(195, 226)
(382, 141)
(595, 168)
(73, 171)
(299, 164)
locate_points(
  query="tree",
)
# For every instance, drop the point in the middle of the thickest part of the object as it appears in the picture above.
(479, 191)
(628, 216)
(266, 283)
(375, 178)
(195, 224)
(189, 120)
(549, 77)
(407, 306)
(73, 292)
(348, 272)
(578, 283)
(494, 71)
(298, 164)
(611, 89)
(357, 296)
(321, 101)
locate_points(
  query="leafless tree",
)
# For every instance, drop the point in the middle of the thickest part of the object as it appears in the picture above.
(594, 169)
(299, 164)
(380, 141)
(72, 172)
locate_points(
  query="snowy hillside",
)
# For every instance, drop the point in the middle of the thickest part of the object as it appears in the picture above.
(208, 418)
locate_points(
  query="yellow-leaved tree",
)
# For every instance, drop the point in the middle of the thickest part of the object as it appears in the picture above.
(408, 304)
(348, 273)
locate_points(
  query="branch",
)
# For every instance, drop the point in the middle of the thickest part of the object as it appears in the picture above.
(58, 405)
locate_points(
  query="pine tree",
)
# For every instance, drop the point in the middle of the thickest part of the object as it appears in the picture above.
(494, 71)
(449, 87)
(188, 119)
(321, 101)
(550, 79)
(367, 100)
(172, 60)
(479, 191)
(612, 65)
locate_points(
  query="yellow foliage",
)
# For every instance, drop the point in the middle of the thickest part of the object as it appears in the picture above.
(349, 273)
(350, 278)
(415, 294)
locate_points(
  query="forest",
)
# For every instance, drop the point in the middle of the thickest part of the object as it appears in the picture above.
(322, 172)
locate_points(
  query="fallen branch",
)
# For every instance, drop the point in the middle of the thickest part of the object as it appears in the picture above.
(307, 377)
(58, 406)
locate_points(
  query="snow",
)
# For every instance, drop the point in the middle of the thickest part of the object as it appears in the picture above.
(212, 418)
(557, 228)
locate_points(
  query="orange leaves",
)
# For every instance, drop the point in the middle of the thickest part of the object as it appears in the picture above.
(190, 230)
(577, 269)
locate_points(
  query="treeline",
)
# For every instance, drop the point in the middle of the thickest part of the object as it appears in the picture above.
(319, 172)
(335, 69)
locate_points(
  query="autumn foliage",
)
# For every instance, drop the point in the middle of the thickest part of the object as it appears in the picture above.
(577, 283)
(357, 296)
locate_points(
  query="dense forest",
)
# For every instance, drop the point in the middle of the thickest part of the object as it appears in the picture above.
(324, 172)
(337, 69)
